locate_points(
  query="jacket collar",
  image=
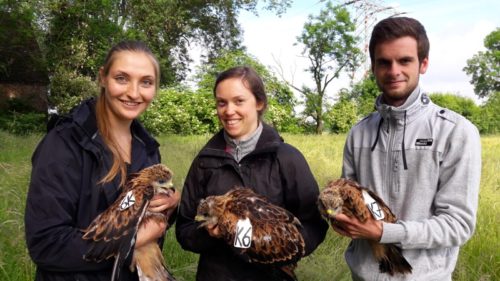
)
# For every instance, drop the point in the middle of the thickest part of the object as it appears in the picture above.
(413, 106)
(88, 134)
(269, 141)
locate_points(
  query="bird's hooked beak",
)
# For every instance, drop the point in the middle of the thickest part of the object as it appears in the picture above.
(200, 218)
(164, 187)
(331, 212)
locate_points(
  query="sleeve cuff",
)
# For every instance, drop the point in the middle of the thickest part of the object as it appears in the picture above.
(392, 233)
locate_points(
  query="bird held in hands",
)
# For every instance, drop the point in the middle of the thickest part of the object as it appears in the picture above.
(256, 228)
(113, 232)
(348, 197)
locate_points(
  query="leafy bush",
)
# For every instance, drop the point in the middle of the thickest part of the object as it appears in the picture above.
(67, 89)
(341, 116)
(20, 118)
(282, 118)
(489, 123)
(461, 105)
(23, 123)
(177, 111)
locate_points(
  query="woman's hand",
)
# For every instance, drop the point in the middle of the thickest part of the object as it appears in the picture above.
(354, 229)
(149, 232)
(213, 230)
(152, 230)
(163, 202)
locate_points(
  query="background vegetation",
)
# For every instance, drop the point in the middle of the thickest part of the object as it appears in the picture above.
(73, 37)
(479, 258)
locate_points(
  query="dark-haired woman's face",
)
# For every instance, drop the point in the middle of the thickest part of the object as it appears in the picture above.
(130, 85)
(237, 108)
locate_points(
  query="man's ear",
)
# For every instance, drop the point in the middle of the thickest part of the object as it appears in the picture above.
(423, 65)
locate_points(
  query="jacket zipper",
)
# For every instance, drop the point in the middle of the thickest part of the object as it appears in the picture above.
(388, 175)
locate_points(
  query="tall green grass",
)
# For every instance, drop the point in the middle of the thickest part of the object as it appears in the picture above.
(479, 258)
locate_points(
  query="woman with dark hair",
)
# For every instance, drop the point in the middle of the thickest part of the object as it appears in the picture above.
(81, 164)
(246, 152)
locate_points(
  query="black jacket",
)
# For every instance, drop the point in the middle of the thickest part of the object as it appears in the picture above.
(64, 195)
(274, 169)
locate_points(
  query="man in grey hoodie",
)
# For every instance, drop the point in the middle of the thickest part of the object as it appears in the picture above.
(423, 160)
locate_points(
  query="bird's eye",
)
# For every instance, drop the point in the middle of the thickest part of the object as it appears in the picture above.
(161, 181)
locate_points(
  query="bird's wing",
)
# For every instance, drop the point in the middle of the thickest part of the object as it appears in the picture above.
(113, 232)
(388, 215)
(275, 235)
(354, 204)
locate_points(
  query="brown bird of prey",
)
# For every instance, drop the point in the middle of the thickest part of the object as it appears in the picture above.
(348, 197)
(261, 231)
(113, 232)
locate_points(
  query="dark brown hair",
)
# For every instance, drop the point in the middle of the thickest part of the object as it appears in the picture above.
(396, 27)
(102, 109)
(251, 80)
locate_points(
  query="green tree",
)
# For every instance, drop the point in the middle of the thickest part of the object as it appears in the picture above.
(281, 100)
(75, 35)
(330, 45)
(484, 67)
(461, 105)
(489, 121)
(363, 94)
(83, 31)
(341, 116)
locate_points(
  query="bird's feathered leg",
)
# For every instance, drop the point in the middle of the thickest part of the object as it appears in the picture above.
(150, 265)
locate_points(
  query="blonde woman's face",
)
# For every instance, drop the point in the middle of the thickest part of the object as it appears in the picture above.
(130, 85)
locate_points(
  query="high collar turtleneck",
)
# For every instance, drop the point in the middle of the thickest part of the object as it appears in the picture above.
(240, 148)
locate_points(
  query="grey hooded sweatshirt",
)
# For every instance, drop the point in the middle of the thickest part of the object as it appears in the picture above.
(424, 161)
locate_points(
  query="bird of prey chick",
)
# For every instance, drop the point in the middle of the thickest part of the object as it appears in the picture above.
(261, 231)
(349, 198)
(113, 232)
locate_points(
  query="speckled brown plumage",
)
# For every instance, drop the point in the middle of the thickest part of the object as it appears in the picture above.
(276, 238)
(345, 196)
(113, 232)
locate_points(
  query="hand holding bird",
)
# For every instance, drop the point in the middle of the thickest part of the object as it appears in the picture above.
(351, 209)
(136, 219)
(257, 229)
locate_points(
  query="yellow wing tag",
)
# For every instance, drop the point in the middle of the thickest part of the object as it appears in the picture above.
(372, 205)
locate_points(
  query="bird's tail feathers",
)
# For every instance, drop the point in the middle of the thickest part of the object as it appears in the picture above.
(289, 270)
(394, 261)
(150, 264)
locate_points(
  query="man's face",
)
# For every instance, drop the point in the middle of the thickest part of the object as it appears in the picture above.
(397, 69)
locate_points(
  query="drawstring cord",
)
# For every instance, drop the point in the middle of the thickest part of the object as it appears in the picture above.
(378, 133)
(405, 165)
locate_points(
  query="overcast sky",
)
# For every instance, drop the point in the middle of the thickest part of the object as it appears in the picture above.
(456, 30)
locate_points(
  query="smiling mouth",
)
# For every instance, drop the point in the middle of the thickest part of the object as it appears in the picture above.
(130, 103)
(232, 122)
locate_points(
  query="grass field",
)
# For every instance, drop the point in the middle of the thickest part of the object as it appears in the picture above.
(479, 258)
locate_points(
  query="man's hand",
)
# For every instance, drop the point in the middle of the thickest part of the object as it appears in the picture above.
(354, 229)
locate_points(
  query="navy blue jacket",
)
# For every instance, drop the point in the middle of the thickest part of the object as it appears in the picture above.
(64, 195)
(275, 170)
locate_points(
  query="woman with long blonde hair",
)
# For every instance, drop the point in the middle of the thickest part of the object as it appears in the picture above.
(81, 164)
